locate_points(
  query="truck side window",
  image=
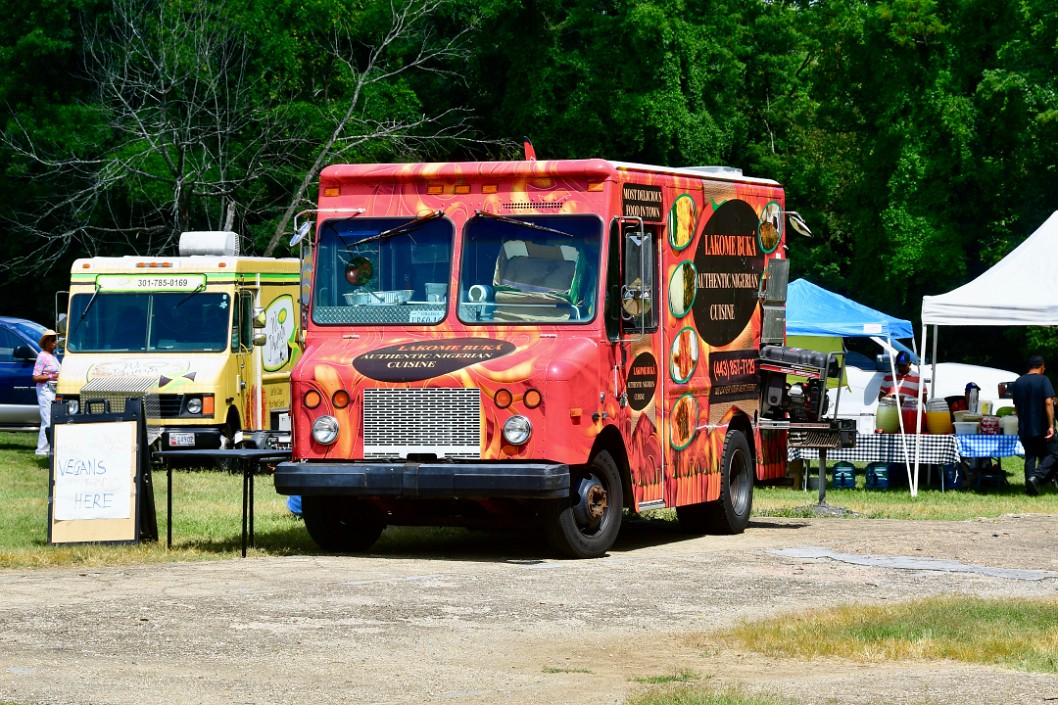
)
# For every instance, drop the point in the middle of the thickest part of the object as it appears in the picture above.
(242, 324)
(639, 288)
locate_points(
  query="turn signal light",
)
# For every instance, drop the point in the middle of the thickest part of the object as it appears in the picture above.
(533, 398)
(312, 399)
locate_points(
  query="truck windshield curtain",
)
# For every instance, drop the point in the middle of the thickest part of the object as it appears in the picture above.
(396, 279)
(150, 322)
(514, 273)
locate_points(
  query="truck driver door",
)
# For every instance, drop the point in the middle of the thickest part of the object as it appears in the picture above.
(632, 326)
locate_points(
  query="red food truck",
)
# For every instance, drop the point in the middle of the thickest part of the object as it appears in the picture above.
(535, 342)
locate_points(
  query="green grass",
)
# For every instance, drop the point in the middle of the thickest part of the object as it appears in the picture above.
(676, 694)
(557, 669)
(1019, 634)
(681, 676)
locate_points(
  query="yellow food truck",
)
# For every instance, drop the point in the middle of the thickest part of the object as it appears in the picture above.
(206, 338)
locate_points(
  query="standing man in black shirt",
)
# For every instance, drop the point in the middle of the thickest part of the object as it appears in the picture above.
(1034, 401)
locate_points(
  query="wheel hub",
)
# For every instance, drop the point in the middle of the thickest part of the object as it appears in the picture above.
(591, 504)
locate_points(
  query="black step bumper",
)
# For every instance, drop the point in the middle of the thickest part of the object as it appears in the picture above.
(424, 480)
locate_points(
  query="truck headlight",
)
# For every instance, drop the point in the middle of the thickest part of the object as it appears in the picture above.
(72, 406)
(325, 430)
(194, 405)
(516, 430)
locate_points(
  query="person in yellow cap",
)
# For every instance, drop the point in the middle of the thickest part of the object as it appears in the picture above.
(45, 372)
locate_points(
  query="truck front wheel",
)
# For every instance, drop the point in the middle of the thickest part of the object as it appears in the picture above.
(586, 524)
(341, 524)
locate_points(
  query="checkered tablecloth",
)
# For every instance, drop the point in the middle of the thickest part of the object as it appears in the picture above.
(936, 449)
(976, 446)
(887, 447)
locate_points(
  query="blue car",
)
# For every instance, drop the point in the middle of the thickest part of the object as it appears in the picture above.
(19, 345)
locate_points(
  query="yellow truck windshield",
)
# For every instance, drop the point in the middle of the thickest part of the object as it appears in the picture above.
(150, 322)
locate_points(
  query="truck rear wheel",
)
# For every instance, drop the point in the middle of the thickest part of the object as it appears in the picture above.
(585, 525)
(341, 524)
(730, 513)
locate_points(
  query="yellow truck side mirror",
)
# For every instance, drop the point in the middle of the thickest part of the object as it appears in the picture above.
(258, 320)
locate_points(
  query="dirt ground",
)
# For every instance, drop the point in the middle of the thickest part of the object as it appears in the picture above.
(488, 618)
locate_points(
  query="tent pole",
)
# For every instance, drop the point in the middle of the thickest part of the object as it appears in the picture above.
(918, 407)
(900, 417)
(933, 376)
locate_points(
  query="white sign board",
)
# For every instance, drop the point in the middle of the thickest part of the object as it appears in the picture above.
(94, 470)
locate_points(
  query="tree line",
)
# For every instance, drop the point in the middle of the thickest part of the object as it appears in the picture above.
(916, 137)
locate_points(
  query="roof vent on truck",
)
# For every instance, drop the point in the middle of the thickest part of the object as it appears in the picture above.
(220, 243)
(718, 170)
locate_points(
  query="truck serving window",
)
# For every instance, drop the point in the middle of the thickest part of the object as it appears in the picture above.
(149, 322)
(533, 269)
(383, 271)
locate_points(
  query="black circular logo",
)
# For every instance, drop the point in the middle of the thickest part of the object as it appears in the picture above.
(729, 266)
(642, 381)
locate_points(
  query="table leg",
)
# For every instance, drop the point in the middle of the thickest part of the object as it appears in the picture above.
(253, 468)
(822, 475)
(169, 505)
(245, 493)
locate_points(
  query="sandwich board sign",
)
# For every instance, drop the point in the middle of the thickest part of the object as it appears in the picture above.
(100, 487)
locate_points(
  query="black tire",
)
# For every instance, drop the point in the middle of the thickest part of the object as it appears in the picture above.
(341, 524)
(586, 524)
(730, 513)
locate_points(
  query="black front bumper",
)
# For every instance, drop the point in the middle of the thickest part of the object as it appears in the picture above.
(424, 480)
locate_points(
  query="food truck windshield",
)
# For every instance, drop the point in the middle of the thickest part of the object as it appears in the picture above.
(373, 271)
(529, 269)
(392, 271)
(152, 322)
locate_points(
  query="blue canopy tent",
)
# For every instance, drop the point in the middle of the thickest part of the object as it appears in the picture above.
(812, 310)
(818, 319)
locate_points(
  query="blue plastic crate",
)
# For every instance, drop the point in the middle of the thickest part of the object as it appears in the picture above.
(877, 476)
(844, 479)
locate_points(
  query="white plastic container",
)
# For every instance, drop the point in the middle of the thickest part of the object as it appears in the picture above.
(1010, 425)
(965, 428)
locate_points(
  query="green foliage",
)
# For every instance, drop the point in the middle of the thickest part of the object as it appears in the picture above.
(918, 138)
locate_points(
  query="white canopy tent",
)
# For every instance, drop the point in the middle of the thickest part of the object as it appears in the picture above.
(1019, 290)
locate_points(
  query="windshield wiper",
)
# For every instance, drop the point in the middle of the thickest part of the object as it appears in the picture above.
(84, 313)
(400, 229)
(198, 290)
(521, 223)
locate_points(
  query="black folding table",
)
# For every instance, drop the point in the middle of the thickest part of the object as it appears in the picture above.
(248, 461)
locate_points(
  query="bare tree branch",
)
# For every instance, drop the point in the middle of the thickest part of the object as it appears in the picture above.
(411, 20)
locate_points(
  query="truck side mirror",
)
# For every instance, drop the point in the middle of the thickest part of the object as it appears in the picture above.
(259, 339)
(258, 318)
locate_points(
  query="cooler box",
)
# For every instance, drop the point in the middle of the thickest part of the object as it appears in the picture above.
(877, 476)
(844, 475)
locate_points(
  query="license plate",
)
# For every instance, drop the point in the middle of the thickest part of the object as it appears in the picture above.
(181, 440)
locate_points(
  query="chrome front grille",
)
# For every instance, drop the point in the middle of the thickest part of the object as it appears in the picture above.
(442, 422)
